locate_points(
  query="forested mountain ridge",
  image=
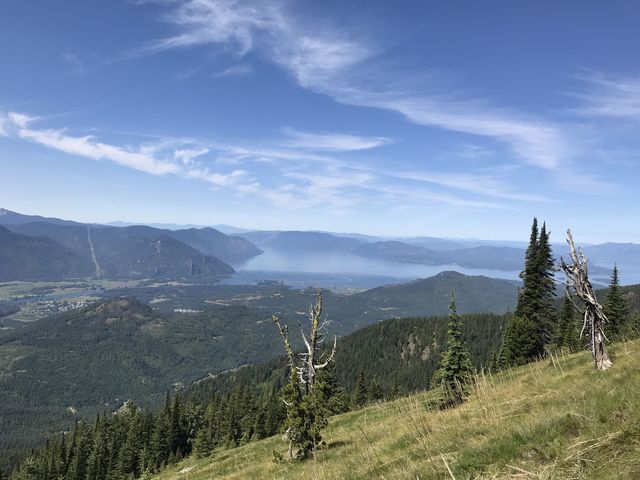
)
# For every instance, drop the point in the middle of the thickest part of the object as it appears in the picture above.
(215, 243)
(121, 252)
(92, 359)
(38, 258)
(103, 252)
(207, 240)
(117, 252)
(346, 312)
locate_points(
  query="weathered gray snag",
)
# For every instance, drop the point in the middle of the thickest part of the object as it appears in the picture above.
(301, 429)
(310, 361)
(578, 279)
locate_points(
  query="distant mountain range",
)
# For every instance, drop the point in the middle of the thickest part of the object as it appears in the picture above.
(140, 251)
(226, 229)
(7, 217)
(39, 248)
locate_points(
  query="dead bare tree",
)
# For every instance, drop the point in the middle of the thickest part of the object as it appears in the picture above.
(305, 417)
(594, 317)
(310, 360)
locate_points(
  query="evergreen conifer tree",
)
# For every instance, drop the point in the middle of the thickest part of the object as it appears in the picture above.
(374, 392)
(98, 463)
(276, 414)
(545, 312)
(129, 454)
(534, 324)
(528, 273)
(80, 452)
(161, 441)
(333, 395)
(178, 440)
(569, 334)
(260, 426)
(305, 419)
(360, 394)
(521, 342)
(203, 442)
(616, 308)
(456, 370)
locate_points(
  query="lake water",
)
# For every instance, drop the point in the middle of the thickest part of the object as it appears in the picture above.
(340, 270)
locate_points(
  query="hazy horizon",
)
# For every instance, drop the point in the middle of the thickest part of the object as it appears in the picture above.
(176, 224)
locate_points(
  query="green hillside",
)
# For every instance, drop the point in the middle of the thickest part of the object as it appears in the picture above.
(558, 418)
(127, 252)
(401, 354)
(37, 257)
(78, 363)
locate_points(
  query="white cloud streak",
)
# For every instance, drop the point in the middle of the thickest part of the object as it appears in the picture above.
(239, 70)
(331, 141)
(610, 97)
(89, 147)
(478, 184)
(156, 159)
(537, 143)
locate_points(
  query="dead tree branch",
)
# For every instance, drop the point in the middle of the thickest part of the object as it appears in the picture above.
(594, 317)
(309, 361)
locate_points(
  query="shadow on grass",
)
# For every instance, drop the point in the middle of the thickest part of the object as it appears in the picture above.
(339, 443)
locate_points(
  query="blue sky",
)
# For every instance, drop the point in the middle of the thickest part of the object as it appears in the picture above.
(442, 118)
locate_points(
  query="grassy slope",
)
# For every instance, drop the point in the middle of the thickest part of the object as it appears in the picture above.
(551, 419)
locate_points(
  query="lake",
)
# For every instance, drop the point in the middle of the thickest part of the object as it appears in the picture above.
(340, 270)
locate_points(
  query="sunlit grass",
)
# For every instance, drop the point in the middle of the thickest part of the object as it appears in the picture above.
(558, 418)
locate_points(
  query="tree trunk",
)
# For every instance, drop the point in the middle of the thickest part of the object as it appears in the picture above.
(594, 317)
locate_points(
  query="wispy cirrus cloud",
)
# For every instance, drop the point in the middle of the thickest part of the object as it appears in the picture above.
(89, 147)
(415, 194)
(239, 70)
(485, 185)
(328, 61)
(160, 158)
(74, 62)
(331, 141)
(537, 143)
(606, 96)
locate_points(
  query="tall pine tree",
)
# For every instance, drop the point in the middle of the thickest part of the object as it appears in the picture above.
(527, 275)
(360, 394)
(456, 370)
(533, 326)
(545, 312)
(616, 308)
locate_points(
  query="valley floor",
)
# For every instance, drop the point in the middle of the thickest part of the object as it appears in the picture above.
(558, 418)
